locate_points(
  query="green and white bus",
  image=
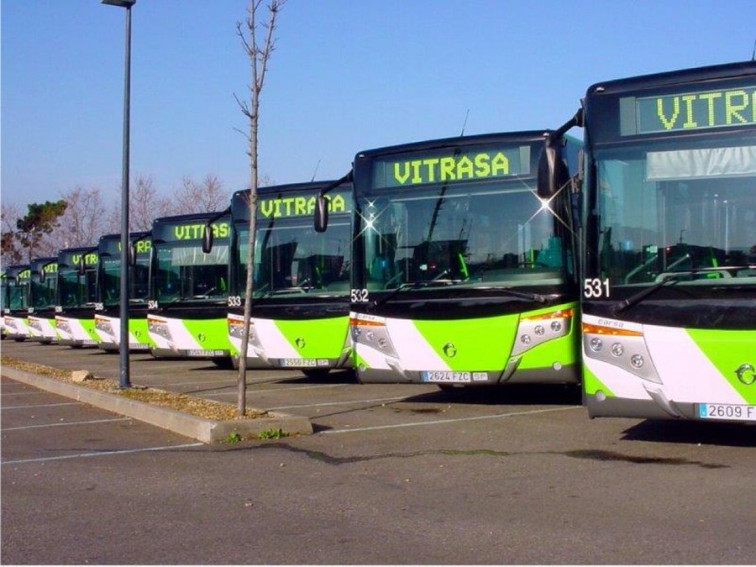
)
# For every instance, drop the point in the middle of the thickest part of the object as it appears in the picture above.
(3, 301)
(300, 306)
(16, 311)
(43, 289)
(189, 288)
(464, 275)
(669, 289)
(108, 306)
(77, 295)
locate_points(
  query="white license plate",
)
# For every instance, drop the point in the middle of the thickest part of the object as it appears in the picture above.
(205, 353)
(727, 412)
(306, 362)
(445, 376)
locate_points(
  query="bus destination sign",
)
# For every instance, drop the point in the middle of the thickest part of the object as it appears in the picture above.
(688, 111)
(450, 166)
(301, 205)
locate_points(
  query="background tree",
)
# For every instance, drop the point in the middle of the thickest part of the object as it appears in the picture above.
(145, 204)
(11, 249)
(39, 222)
(206, 196)
(85, 219)
(259, 55)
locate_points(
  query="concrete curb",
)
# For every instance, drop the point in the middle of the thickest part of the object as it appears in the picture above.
(205, 430)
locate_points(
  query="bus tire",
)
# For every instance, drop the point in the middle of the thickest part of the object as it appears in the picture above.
(316, 374)
(451, 388)
(223, 362)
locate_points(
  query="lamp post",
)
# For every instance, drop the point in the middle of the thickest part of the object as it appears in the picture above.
(125, 380)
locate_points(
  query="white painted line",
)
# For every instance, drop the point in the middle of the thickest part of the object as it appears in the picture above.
(352, 402)
(32, 406)
(445, 421)
(102, 454)
(65, 423)
(192, 383)
(24, 394)
(276, 390)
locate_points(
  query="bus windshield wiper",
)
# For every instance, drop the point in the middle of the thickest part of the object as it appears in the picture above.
(416, 285)
(523, 294)
(668, 280)
(620, 306)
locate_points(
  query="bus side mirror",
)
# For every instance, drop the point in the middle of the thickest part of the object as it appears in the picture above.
(81, 267)
(207, 239)
(321, 213)
(552, 172)
(131, 254)
(42, 275)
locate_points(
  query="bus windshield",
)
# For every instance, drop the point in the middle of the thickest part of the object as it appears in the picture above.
(43, 290)
(489, 233)
(683, 205)
(185, 273)
(111, 280)
(76, 290)
(18, 294)
(292, 259)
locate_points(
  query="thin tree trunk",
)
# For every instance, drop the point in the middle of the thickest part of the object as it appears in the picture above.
(259, 62)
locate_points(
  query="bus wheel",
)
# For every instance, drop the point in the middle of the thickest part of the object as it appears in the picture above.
(451, 388)
(223, 362)
(318, 374)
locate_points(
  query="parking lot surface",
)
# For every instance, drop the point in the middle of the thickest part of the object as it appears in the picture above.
(393, 474)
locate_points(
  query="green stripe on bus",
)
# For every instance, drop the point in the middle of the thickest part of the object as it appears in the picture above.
(733, 353)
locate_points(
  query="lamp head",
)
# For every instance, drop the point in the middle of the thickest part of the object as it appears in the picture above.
(120, 3)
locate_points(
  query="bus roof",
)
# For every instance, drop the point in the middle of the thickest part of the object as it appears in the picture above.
(287, 188)
(190, 217)
(132, 235)
(515, 137)
(43, 261)
(679, 76)
(77, 250)
(14, 270)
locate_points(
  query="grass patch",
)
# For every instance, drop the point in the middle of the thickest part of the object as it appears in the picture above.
(200, 407)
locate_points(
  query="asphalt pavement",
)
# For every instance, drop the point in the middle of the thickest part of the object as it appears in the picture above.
(393, 474)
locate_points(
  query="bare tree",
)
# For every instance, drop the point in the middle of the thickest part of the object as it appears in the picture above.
(206, 196)
(85, 219)
(259, 55)
(11, 248)
(144, 205)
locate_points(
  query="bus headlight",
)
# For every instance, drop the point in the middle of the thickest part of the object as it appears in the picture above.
(372, 333)
(62, 324)
(236, 330)
(628, 350)
(159, 328)
(103, 325)
(538, 329)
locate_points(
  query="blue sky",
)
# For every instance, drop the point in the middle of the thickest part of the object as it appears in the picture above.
(347, 75)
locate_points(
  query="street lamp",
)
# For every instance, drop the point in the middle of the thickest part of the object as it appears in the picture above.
(125, 381)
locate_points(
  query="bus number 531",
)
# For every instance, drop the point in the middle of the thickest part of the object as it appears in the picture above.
(595, 288)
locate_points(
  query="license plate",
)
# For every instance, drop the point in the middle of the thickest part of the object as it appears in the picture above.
(306, 362)
(727, 412)
(205, 353)
(445, 376)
